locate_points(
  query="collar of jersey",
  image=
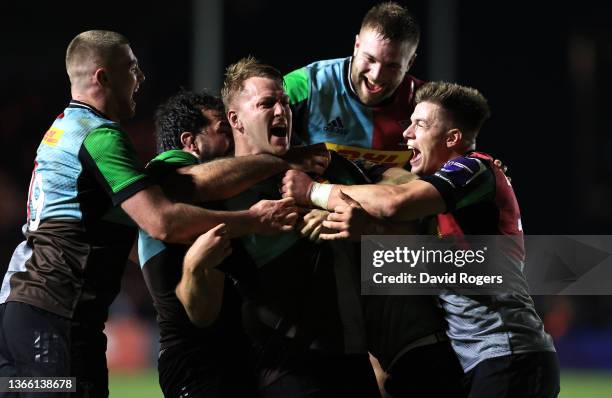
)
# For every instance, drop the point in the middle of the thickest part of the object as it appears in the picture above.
(79, 104)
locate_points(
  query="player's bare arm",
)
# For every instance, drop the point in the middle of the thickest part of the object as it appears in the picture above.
(397, 176)
(226, 177)
(403, 202)
(182, 223)
(351, 221)
(201, 287)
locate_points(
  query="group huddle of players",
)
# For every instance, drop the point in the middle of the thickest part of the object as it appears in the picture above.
(249, 230)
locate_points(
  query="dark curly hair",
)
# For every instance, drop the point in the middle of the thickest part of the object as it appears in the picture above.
(182, 112)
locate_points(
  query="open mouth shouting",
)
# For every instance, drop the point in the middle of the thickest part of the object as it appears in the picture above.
(371, 87)
(278, 134)
(134, 94)
(416, 155)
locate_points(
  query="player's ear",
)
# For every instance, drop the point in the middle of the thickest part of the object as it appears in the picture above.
(356, 45)
(234, 121)
(453, 138)
(412, 59)
(100, 76)
(187, 139)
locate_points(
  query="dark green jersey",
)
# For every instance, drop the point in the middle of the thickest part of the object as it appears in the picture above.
(162, 265)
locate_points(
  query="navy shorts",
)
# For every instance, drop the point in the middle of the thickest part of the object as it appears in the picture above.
(428, 371)
(530, 375)
(33, 343)
(37, 343)
(316, 374)
(193, 370)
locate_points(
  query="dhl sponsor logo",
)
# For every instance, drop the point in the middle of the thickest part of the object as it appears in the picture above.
(52, 136)
(382, 157)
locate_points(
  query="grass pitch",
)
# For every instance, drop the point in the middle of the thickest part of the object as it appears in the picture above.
(574, 384)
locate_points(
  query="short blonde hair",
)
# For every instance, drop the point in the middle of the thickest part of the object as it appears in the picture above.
(236, 74)
(92, 46)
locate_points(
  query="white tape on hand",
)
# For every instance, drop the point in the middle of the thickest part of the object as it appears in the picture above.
(319, 194)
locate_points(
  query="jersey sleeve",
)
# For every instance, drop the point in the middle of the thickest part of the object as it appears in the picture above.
(164, 163)
(169, 161)
(463, 181)
(297, 87)
(113, 161)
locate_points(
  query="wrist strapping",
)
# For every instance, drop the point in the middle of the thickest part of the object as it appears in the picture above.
(319, 194)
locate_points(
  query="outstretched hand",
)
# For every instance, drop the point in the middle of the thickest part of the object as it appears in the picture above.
(274, 216)
(347, 221)
(312, 225)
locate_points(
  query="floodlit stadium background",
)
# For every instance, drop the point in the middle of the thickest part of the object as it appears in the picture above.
(544, 66)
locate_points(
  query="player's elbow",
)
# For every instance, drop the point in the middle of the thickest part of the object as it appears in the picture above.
(160, 232)
(162, 227)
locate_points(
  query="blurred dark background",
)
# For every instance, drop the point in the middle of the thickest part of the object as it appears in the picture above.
(545, 68)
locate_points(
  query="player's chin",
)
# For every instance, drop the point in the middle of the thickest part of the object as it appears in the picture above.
(131, 105)
(416, 169)
(280, 151)
(371, 99)
(279, 147)
(127, 112)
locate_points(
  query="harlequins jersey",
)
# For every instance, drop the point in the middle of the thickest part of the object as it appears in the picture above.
(162, 267)
(77, 238)
(326, 109)
(480, 201)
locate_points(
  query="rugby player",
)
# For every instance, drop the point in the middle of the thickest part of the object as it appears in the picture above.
(64, 276)
(499, 339)
(203, 351)
(359, 106)
(304, 315)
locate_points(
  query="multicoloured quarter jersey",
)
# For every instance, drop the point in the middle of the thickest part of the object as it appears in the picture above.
(77, 237)
(326, 109)
(480, 201)
(162, 266)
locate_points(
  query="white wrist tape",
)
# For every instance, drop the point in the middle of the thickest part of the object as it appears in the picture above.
(319, 194)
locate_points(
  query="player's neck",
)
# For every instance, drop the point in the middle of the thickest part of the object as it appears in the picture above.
(241, 148)
(96, 100)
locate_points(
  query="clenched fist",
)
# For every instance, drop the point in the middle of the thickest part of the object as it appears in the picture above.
(297, 185)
